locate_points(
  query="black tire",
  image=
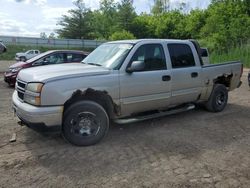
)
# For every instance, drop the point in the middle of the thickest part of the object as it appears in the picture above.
(85, 123)
(218, 99)
(23, 59)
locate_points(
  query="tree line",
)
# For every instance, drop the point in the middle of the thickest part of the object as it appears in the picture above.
(223, 24)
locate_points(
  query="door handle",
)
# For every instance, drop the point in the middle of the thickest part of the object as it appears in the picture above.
(194, 74)
(166, 78)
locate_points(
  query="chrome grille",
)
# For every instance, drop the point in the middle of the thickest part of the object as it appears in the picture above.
(20, 87)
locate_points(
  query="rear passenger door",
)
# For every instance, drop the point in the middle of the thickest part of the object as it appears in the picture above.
(186, 73)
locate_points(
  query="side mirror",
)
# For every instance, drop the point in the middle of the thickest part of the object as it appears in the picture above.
(136, 66)
(37, 63)
(204, 52)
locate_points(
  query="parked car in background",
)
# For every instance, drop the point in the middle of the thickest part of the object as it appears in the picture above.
(24, 56)
(2, 47)
(47, 58)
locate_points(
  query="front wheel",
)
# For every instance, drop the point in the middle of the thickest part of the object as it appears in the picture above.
(218, 99)
(85, 123)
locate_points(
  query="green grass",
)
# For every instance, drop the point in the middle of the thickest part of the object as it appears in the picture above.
(234, 54)
(13, 49)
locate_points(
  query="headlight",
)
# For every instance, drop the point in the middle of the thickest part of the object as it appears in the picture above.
(16, 69)
(33, 93)
(34, 87)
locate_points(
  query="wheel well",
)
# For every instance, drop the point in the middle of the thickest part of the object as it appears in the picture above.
(100, 97)
(225, 80)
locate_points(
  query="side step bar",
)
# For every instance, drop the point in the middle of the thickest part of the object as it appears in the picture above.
(155, 115)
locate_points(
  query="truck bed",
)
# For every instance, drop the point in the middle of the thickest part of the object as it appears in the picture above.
(232, 69)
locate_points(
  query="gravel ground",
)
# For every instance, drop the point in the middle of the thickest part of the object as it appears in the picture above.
(191, 149)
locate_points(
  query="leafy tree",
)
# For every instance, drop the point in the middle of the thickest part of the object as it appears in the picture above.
(143, 26)
(121, 35)
(195, 22)
(126, 14)
(77, 24)
(104, 21)
(226, 24)
(160, 6)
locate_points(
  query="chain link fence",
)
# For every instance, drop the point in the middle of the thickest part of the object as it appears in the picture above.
(60, 43)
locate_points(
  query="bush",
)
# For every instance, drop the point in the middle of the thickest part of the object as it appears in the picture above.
(121, 35)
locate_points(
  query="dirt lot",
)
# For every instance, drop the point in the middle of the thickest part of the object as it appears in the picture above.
(191, 149)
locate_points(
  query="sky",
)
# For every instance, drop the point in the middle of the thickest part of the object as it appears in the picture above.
(31, 17)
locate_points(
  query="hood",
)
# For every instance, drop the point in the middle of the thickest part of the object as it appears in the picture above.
(17, 64)
(62, 71)
(20, 54)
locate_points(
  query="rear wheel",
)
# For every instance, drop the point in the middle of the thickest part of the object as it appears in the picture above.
(218, 99)
(85, 123)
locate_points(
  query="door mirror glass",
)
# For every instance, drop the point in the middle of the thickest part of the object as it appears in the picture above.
(38, 63)
(204, 52)
(136, 66)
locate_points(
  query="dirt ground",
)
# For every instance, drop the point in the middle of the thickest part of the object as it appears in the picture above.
(191, 149)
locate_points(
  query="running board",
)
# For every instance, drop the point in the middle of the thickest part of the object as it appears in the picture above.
(155, 115)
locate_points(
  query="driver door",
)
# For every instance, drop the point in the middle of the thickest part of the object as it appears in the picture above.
(149, 89)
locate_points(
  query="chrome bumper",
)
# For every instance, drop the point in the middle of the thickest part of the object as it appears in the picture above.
(50, 116)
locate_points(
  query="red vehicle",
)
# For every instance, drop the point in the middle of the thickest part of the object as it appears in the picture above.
(47, 58)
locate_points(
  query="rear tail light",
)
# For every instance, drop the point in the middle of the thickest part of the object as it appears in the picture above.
(241, 70)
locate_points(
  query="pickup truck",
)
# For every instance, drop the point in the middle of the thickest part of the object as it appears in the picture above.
(24, 56)
(122, 81)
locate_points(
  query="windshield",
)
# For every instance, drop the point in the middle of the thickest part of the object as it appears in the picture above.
(110, 55)
(38, 57)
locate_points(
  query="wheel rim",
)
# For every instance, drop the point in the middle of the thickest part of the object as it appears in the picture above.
(221, 99)
(85, 124)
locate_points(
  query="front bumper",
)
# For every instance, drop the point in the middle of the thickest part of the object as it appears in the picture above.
(29, 114)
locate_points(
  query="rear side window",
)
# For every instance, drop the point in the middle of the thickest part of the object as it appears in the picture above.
(181, 55)
(77, 57)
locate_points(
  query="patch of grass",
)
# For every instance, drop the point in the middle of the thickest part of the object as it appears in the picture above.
(13, 49)
(234, 54)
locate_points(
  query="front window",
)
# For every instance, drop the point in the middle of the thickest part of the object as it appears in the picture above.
(29, 52)
(152, 55)
(110, 55)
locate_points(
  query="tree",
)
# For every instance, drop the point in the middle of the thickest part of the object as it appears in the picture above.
(125, 15)
(121, 35)
(160, 6)
(195, 22)
(52, 36)
(104, 20)
(226, 25)
(43, 35)
(77, 24)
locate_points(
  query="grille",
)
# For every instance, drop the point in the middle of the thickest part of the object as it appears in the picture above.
(20, 87)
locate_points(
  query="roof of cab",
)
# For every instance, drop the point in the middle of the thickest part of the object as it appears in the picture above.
(135, 41)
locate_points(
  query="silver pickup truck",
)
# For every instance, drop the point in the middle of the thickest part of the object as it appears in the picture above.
(122, 81)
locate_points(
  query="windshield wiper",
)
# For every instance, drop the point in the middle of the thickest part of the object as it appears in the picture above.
(96, 64)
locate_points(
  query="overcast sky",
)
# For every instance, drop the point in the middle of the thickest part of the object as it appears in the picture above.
(31, 17)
